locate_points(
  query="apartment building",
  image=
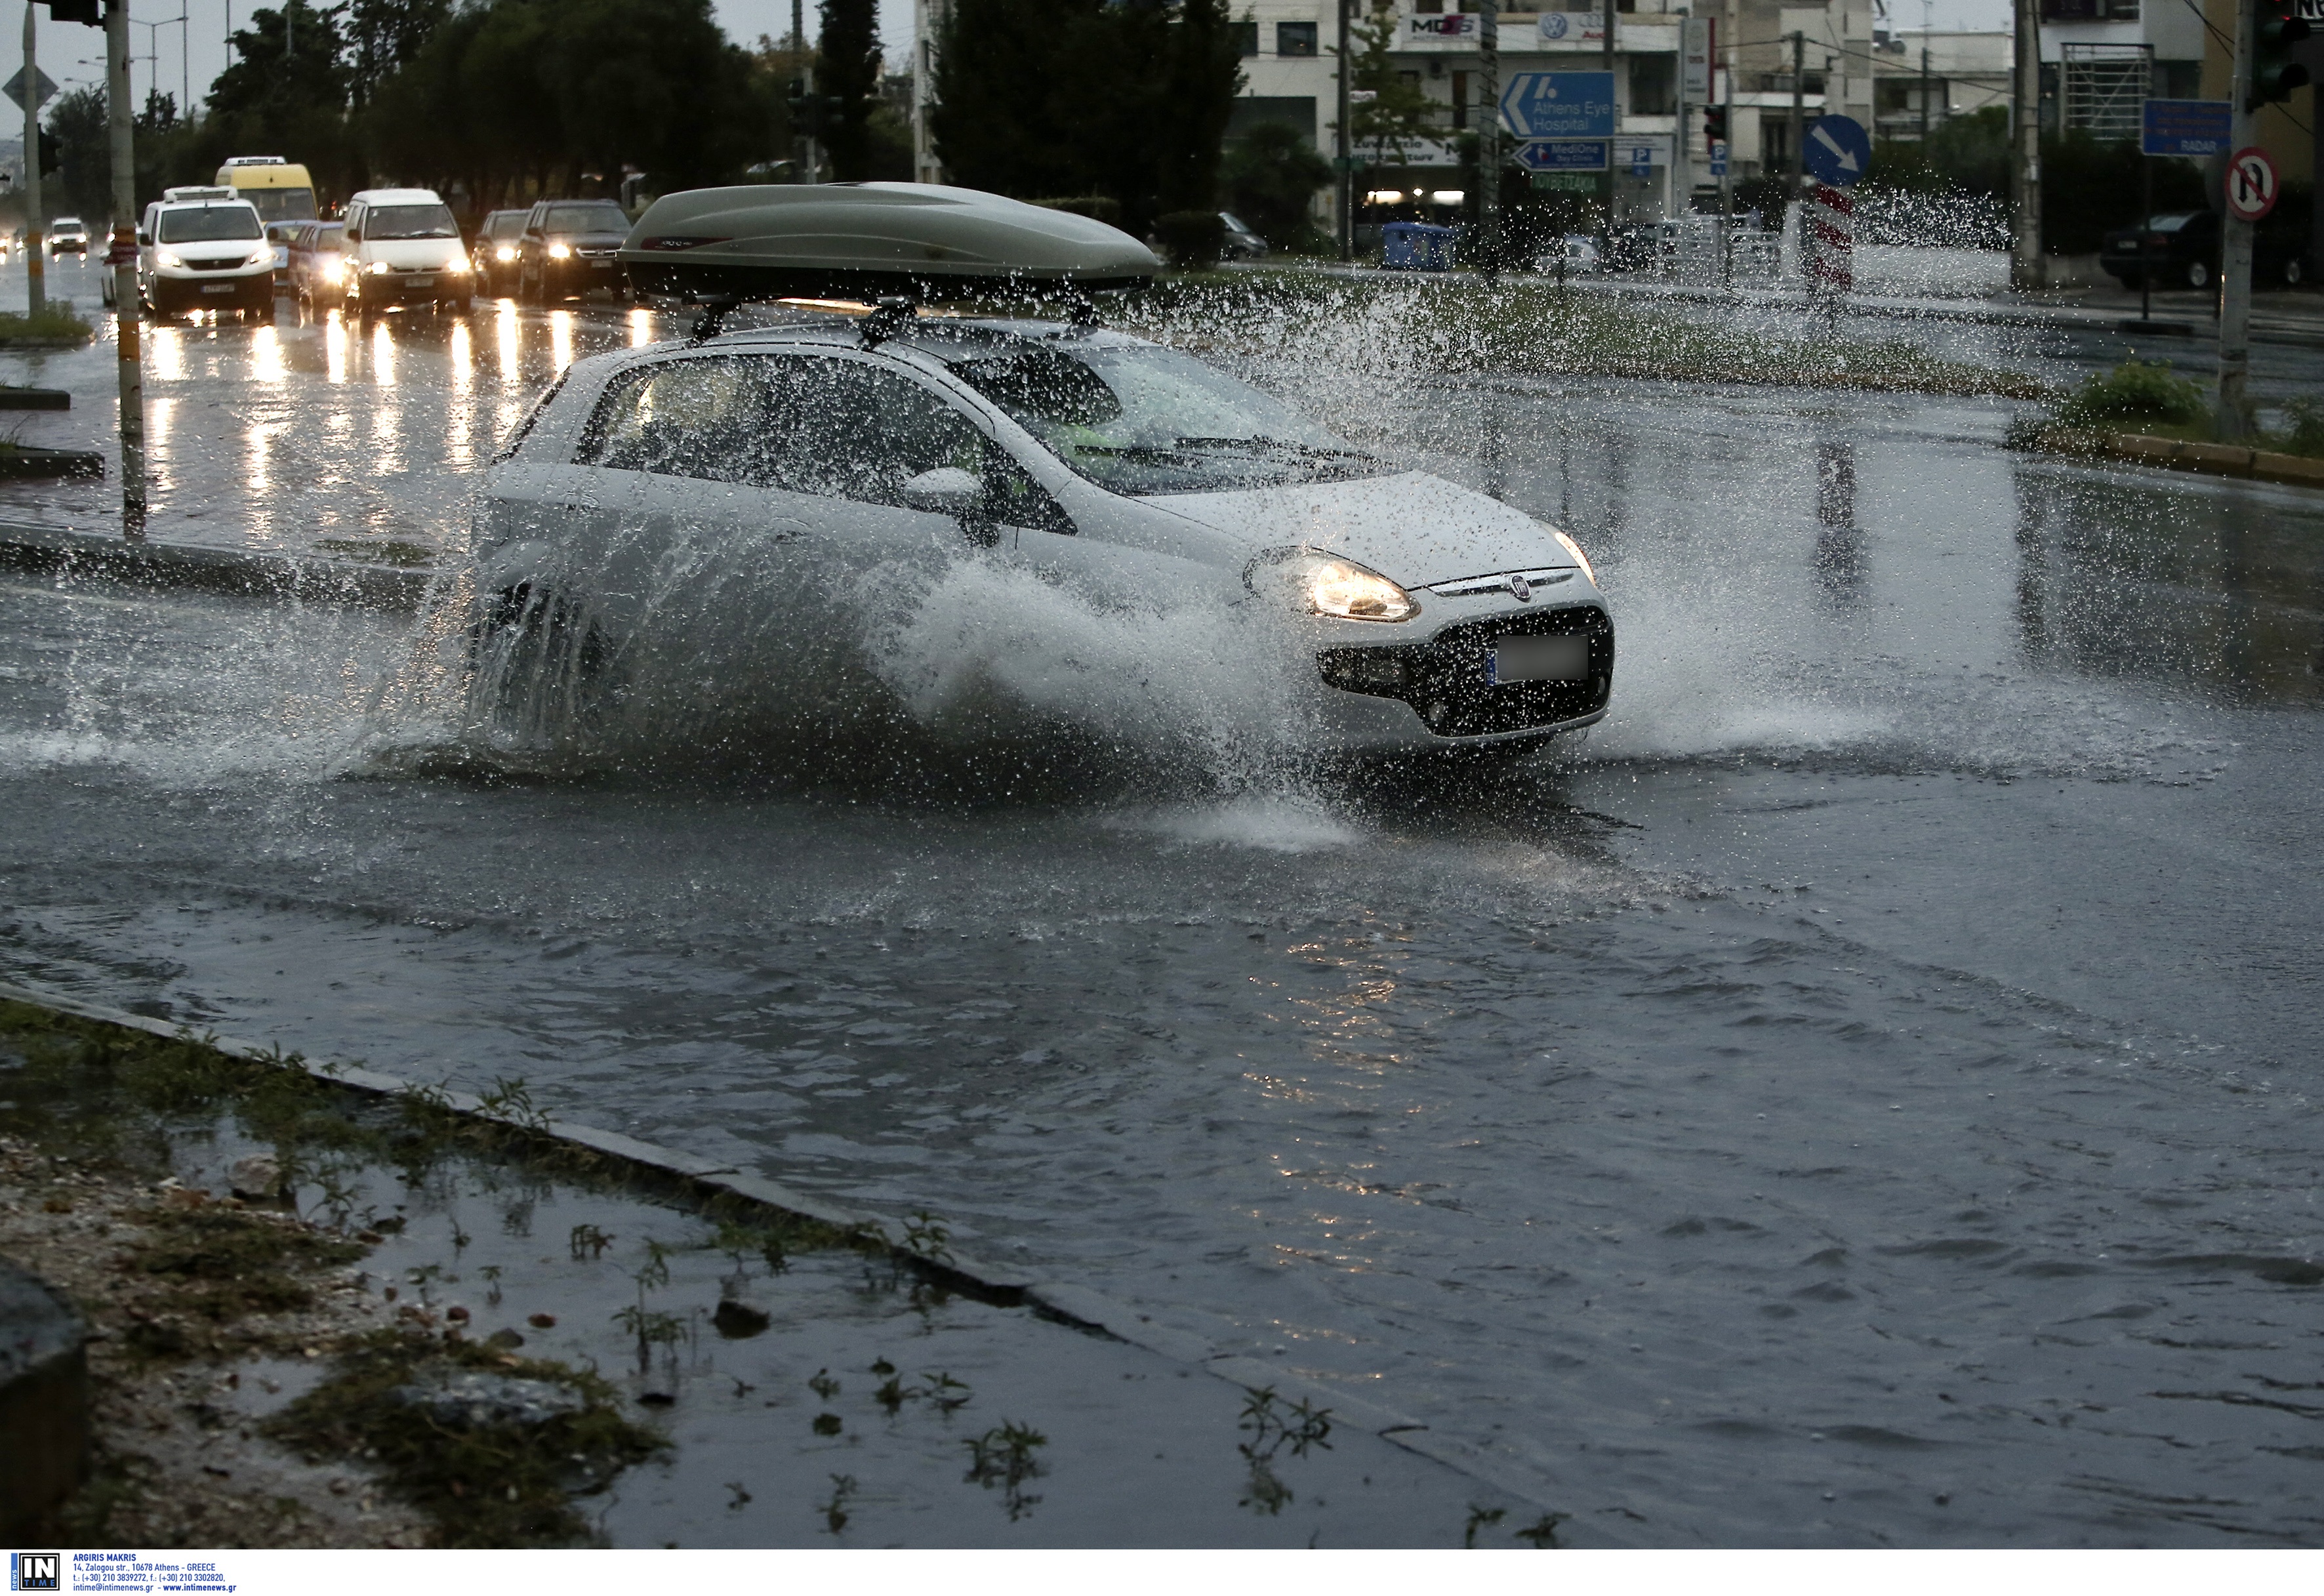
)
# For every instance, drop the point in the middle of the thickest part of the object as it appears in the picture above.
(1922, 79)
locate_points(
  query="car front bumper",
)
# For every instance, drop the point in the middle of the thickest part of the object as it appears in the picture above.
(173, 293)
(372, 291)
(1436, 688)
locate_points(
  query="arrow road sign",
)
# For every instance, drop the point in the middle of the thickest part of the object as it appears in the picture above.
(2252, 185)
(1563, 155)
(1559, 105)
(14, 88)
(2186, 127)
(1838, 152)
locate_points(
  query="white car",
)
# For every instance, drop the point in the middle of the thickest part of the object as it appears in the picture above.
(757, 494)
(204, 252)
(403, 247)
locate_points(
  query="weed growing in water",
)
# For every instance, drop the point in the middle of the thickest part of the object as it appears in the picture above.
(1543, 1531)
(1480, 1518)
(927, 1237)
(492, 1274)
(588, 1240)
(829, 1424)
(1003, 1456)
(741, 1496)
(834, 1511)
(510, 1102)
(1300, 1426)
(2134, 391)
(823, 1384)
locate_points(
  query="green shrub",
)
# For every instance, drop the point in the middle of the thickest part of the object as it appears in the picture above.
(2134, 391)
(1190, 240)
(58, 321)
(2307, 434)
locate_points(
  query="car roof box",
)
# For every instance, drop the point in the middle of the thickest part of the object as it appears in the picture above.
(863, 240)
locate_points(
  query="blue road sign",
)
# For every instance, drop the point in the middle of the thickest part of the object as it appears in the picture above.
(1563, 155)
(1718, 159)
(1838, 151)
(1559, 105)
(1642, 161)
(2187, 127)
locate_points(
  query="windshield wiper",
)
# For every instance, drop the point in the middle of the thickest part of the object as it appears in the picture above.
(1260, 441)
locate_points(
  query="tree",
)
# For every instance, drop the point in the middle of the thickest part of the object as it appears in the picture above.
(79, 124)
(1386, 112)
(847, 79)
(1049, 99)
(1270, 176)
(384, 36)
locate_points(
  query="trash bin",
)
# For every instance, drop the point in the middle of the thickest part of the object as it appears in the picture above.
(1417, 246)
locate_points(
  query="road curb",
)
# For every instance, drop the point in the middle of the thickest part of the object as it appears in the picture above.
(61, 549)
(1065, 1301)
(2217, 459)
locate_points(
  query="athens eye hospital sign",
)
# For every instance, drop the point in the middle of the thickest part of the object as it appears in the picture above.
(1559, 105)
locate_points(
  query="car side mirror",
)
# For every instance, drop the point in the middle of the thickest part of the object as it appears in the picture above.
(143, 238)
(950, 491)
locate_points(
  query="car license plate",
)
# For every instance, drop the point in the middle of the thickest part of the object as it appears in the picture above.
(1537, 660)
(217, 288)
(419, 282)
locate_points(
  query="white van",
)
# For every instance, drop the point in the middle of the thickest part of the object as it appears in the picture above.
(202, 249)
(403, 248)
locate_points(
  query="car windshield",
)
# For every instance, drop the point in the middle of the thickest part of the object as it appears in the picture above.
(2168, 223)
(210, 223)
(411, 221)
(586, 219)
(505, 224)
(1139, 419)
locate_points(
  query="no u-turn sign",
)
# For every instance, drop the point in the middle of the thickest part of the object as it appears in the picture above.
(2251, 184)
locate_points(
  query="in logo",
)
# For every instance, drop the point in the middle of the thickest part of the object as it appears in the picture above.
(35, 1571)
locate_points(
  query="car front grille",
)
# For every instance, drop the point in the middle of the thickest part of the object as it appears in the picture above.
(1444, 681)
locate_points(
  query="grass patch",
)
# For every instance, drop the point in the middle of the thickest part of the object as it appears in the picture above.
(2135, 396)
(1458, 325)
(499, 1482)
(237, 1262)
(57, 323)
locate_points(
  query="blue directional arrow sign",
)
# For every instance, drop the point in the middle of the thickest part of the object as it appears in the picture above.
(1559, 105)
(1838, 151)
(1563, 155)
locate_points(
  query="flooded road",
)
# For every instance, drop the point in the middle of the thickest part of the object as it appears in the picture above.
(1865, 1094)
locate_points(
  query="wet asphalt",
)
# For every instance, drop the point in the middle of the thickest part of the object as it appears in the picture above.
(1864, 1093)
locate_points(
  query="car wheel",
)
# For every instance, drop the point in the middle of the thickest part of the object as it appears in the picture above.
(2198, 274)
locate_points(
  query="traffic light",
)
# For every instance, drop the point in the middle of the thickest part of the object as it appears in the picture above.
(1714, 124)
(2278, 30)
(50, 158)
(91, 11)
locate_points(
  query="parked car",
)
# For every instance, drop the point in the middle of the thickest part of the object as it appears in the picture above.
(68, 233)
(318, 264)
(495, 251)
(569, 247)
(205, 253)
(403, 249)
(2182, 250)
(1573, 255)
(1242, 244)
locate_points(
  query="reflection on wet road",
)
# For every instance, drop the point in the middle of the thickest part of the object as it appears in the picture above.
(1865, 1095)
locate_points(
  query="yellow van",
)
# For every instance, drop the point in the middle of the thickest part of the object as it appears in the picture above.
(281, 191)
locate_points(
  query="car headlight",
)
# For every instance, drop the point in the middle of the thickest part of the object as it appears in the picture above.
(559, 252)
(260, 257)
(1326, 585)
(1579, 558)
(457, 265)
(330, 270)
(163, 257)
(381, 268)
(504, 252)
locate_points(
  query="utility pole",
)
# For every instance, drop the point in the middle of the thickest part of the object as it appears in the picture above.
(1799, 111)
(2236, 244)
(1606, 179)
(1489, 137)
(35, 251)
(1727, 184)
(1924, 97)
(1343, 147)
(124, 262)
(2027, 267)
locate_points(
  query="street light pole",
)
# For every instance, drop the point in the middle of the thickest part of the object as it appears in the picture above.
(1606, 178)
(35, 252)
(1488, 136)
(2027, 270)
(1344, 149)
(124, 262)
(2236, 247)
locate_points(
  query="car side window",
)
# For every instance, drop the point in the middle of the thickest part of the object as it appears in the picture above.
(850, 430)
(681, 418)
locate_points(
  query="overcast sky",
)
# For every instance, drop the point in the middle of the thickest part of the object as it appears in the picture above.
(74, 55)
